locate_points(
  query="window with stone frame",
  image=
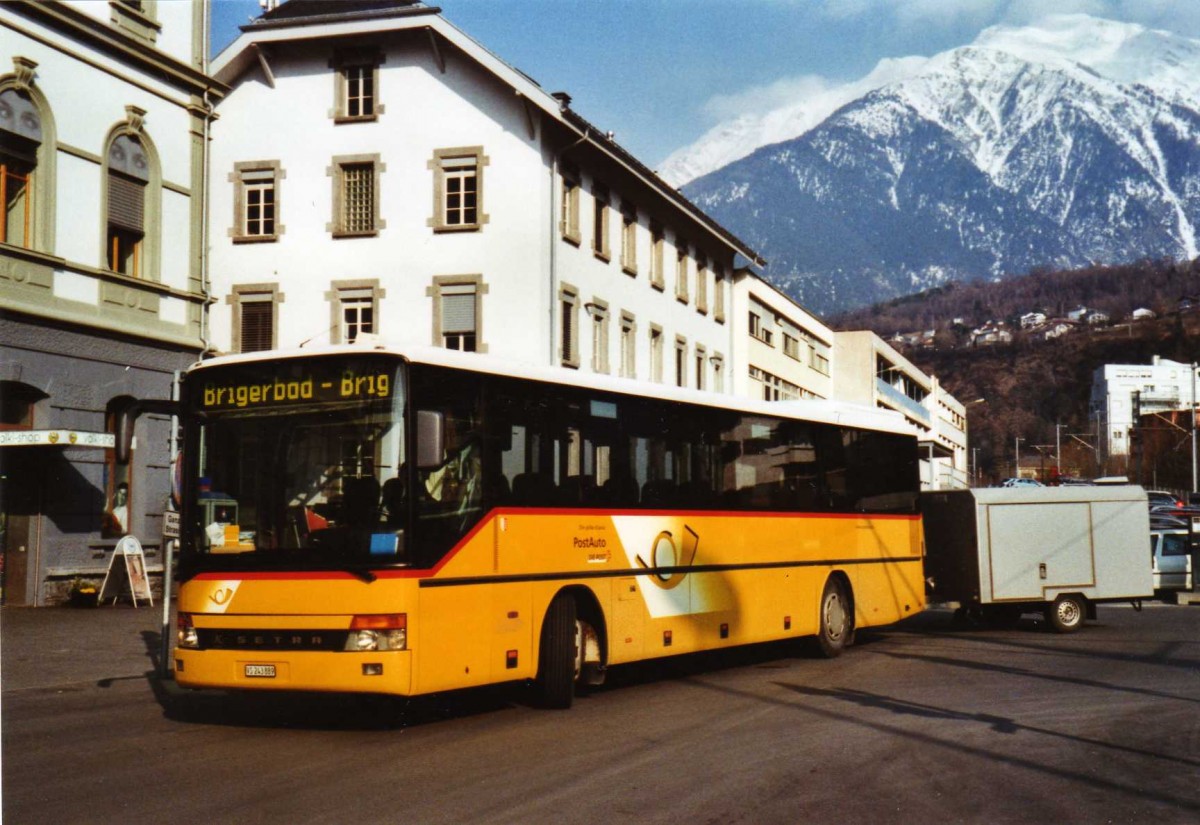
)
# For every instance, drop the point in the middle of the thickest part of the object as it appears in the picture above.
(680, 361)
(681, 271)
(657, 243)
(354, 309)
(569, 207)
(719, 294)
(600, 211)
(702, 284)
(255, 310)
(656, 353)
(568, 297)
(256, 201)
(629, 226)
(356, 196)
(458, 312)
(628, 346)
(137, 17)
(458, 189)
(598, 310)
(356, 85)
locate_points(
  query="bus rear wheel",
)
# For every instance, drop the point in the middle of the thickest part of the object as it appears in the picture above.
(836, 630)
(559, 654)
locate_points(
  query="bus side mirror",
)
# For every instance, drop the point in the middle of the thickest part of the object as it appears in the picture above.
(129, 416)
(431, 439)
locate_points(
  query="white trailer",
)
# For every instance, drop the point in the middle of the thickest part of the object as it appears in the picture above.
(1002, 552)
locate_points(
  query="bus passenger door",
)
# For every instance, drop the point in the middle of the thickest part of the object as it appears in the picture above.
(454, 637)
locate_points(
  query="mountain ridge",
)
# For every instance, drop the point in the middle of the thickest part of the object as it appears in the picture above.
(983, 165)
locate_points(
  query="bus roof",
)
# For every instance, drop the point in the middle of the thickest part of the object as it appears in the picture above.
(817, 410)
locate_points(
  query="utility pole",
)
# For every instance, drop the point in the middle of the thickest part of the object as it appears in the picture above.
(1017, 451)
(1058, 448)
(1193, 426)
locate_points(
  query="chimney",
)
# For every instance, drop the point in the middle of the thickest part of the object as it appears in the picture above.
(564, 99)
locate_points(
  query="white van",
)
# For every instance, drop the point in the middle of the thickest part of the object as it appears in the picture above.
(1172, 559)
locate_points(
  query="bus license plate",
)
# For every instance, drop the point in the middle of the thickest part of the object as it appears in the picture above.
(260, 671)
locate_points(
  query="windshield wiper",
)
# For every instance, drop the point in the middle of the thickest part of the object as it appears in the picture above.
(360, 574)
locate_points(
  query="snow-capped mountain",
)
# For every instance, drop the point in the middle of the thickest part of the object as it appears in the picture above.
(1074, 141)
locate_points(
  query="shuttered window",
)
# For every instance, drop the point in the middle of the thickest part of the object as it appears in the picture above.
(458, 308)
(257, 325)
(459, 321)
(570, 331)
(126, 202)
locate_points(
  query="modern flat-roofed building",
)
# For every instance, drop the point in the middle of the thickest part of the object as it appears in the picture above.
(781, 351)
(870, 371)
(1121, 393)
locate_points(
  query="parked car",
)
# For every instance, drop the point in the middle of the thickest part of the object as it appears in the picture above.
(1022, 482)
(1172, 559)
(1162, 497)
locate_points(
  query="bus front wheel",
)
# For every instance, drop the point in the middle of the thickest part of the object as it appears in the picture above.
(559, 654)
(836, 629)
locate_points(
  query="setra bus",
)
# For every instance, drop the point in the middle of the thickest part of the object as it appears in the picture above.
(369, 519)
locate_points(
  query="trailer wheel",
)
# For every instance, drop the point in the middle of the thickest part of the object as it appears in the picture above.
(837, 619)
(559, 654)
(1066, 614)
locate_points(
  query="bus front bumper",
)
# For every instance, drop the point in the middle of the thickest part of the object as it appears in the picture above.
(326, 671)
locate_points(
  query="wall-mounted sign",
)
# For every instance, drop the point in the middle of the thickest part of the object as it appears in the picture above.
(56, 438)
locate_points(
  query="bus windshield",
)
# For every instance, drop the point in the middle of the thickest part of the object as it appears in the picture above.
(298, 462)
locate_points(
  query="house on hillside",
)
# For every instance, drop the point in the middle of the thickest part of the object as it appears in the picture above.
(1077, 314)
(990, 334)
(1056, 328)
(1033, 320)
(1142, 314)
(1095, 318)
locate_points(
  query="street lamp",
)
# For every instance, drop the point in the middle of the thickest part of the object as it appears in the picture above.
(974, 450)
(1058, 448)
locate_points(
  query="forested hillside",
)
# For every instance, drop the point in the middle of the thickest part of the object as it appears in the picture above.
(1033, 384)
(1116, 290)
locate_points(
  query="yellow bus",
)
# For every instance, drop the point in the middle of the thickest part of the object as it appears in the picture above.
(408, 521)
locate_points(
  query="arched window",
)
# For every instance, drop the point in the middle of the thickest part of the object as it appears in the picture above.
(20, 139)
(132, 199)
(128, 180)
(27, 160)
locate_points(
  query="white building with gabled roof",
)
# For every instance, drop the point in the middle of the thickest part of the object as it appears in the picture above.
(375, 169)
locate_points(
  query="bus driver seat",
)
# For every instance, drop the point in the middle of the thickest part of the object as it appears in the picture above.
(360, 500)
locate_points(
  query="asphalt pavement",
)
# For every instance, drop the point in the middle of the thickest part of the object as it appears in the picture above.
(45, 647)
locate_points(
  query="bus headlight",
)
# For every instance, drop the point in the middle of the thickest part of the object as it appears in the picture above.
(378, 632)
(186, 635)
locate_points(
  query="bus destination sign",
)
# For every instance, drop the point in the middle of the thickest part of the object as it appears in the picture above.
(314, 383)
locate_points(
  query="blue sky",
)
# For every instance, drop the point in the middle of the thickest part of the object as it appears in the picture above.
(660, 73)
